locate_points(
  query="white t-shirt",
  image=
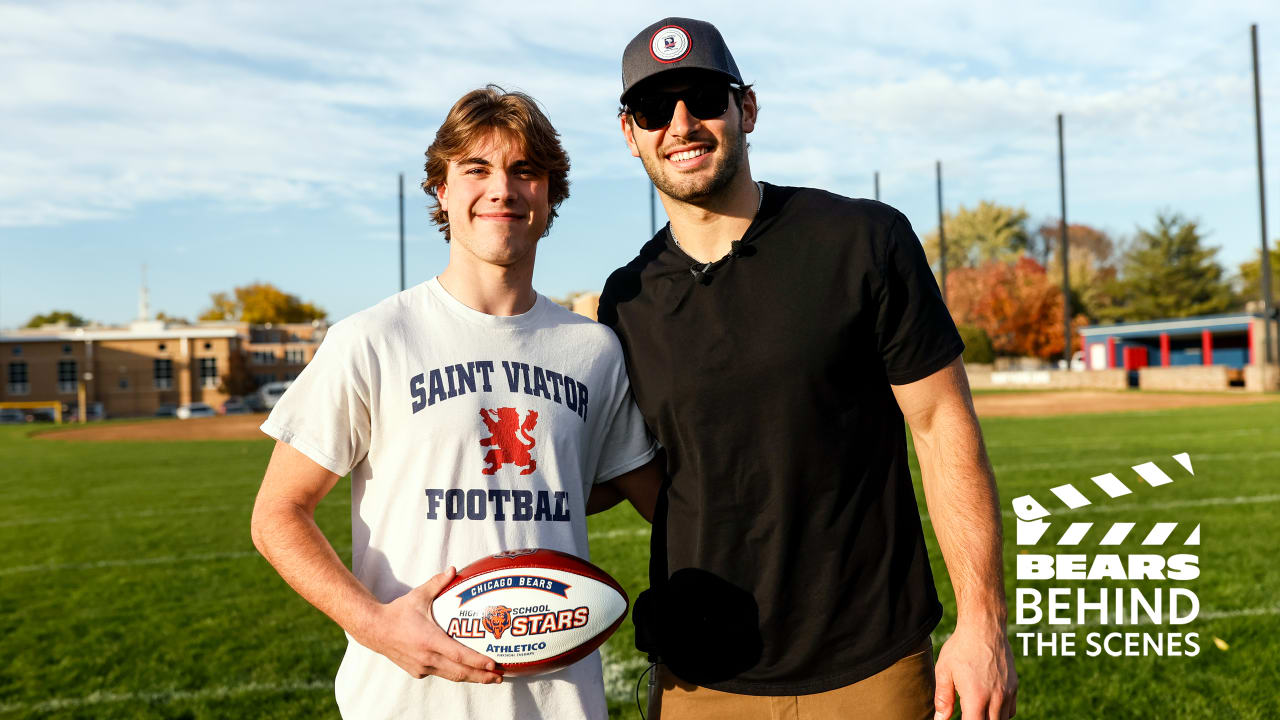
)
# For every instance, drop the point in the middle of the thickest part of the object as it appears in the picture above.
(465, 434)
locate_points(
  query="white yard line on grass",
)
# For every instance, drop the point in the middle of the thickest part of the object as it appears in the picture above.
(123, 515)
(611, 534)
(235, 555)
(1078, 443)
(1128, 458)
(620, 678)
(211, 693)
(163, 560)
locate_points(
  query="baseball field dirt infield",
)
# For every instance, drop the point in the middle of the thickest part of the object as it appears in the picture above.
(1002, 404)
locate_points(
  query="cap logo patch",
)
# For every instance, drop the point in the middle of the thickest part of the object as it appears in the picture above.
(670, 44)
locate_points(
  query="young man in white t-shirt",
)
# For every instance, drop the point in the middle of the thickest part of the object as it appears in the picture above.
(474, 416)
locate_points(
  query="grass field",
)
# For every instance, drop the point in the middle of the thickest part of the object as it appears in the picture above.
(129, 587)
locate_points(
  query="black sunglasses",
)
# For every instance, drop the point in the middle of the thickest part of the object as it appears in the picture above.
(653, 111)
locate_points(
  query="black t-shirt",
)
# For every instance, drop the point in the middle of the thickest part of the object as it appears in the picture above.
(767, 381)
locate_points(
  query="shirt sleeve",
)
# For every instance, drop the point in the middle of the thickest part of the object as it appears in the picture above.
(915, 333)
(325, 412)
(627, 444)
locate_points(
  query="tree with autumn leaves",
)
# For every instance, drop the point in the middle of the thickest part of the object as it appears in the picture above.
(1016, 303)
(1006, 282)
(261, 303)
(996, 284)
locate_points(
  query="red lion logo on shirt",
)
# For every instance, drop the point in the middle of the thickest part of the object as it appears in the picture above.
(503, 425)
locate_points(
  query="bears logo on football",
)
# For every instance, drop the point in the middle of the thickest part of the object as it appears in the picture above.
(497, 619)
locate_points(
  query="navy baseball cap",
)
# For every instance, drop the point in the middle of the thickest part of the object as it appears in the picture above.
(675, 43)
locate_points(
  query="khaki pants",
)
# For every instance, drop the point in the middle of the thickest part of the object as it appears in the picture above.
(903, 691)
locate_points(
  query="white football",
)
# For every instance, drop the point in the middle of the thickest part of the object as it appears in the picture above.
(532, 611)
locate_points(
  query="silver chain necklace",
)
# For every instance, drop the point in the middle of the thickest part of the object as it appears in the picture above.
(759, 202)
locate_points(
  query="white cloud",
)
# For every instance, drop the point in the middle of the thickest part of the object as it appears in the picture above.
(110, 107)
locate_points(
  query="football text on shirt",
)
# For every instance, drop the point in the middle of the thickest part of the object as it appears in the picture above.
(498, 505)
(450, 381)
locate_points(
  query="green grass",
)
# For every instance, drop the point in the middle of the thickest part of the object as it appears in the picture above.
(129, 586)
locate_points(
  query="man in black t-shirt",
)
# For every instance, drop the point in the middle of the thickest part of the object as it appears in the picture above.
(776, 337)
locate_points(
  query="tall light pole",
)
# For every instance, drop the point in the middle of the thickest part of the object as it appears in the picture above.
(1262, 210)
(401, 232)
(942, 235)
(653, 211)
(1062, 233)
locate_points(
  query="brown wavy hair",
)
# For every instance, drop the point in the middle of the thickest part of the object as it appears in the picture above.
(517, 116)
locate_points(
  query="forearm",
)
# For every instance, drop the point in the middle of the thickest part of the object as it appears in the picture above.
(603, 496)
(288, 537)
(641, 487)
(964, 507)
(960, 489)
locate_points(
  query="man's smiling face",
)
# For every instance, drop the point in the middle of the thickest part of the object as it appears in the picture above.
(692, 159)
(496, 201)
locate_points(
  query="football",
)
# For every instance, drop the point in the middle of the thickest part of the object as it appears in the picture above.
(533, 611)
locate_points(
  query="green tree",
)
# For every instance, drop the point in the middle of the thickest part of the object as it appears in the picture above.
(1251, 278)
(260, 303)
(57, 316)
(1167, 272)
(984, 234)
(977, 345)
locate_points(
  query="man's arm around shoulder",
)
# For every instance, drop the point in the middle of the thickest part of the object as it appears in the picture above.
(960, 490)
(285, 532)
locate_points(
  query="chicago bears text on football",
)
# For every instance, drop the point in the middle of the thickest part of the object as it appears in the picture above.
(512, 581)
(501, 505)
(450, 381)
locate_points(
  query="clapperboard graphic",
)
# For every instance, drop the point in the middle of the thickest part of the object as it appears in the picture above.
(1037, 526)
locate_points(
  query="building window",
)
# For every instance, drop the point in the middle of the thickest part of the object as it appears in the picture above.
(19, 383)
(209, 372)
(293, 357)
(208, 346)
(124, 383)
(262, 357)
(161, 347)
(261, 380)
(66, 376)
(17, 349)
(162, 371)
(66, 349)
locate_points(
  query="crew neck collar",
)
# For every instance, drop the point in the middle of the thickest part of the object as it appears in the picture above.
(464, 312)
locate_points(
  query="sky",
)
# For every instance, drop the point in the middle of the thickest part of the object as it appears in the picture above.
(225, 143)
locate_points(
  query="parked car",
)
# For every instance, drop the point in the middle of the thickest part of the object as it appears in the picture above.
(1077, 361)
(167, 410)
(195, 410)
(235, 406)
(41, 415)
(271, 392)
(11, 416)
